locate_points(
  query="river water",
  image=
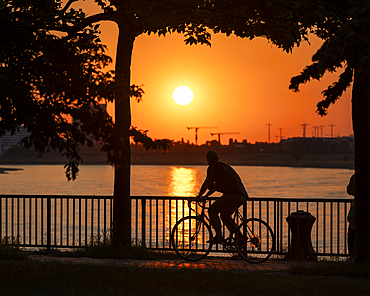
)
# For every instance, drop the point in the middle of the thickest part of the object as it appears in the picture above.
(151, 180)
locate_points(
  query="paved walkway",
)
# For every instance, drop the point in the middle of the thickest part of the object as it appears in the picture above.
(208, 263)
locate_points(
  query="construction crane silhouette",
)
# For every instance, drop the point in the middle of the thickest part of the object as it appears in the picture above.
(219, 135)
(196, 131)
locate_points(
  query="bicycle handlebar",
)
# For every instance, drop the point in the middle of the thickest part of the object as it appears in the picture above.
(201, 203)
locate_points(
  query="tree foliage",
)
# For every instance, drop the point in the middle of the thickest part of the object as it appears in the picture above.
(346, 47)
(53, 84)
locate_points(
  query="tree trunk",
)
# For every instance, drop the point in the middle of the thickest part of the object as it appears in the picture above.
(361, 128)
(122, 199)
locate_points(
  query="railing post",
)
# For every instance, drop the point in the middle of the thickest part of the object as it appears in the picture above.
(143, 221)
(48, 226)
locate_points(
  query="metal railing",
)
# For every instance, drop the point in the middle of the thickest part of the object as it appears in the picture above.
(45, 221)
(54, 221)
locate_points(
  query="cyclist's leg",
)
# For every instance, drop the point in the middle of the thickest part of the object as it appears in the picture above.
(213, 212)
(231, 204)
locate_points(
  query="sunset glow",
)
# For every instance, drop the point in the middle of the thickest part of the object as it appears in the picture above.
(240, 86)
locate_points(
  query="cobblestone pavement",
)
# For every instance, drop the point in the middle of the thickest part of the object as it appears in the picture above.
(208, 263)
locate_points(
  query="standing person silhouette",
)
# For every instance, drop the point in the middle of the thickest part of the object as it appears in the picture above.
(351, 190)
(222, 177)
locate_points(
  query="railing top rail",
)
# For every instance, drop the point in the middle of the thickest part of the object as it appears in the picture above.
(57, 196)
(302, 199)
(271, 199)
(287, 199)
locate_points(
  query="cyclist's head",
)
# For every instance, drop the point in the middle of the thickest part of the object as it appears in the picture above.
(211, 155)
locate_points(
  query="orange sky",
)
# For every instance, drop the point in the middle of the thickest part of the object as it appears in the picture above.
(239, 86)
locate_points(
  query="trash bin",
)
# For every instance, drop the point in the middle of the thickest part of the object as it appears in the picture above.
(300, 224)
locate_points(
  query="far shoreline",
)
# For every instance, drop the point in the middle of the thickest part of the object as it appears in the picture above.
(171, 158)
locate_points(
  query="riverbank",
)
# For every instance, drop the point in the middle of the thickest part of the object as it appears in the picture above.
(19, 155)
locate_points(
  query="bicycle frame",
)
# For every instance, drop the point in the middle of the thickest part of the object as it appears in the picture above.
(202, 215)
(236, 215)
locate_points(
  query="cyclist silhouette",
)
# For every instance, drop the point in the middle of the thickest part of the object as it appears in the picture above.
(222, 178)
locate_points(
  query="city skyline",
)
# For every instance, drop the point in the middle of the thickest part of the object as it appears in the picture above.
(316, 132)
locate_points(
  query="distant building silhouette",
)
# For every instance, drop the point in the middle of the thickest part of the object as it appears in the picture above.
(8, 140)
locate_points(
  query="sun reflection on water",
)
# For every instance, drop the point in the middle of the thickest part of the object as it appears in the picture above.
(183, 182)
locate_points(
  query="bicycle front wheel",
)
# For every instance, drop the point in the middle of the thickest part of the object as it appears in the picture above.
(255, 240)
(190, 237)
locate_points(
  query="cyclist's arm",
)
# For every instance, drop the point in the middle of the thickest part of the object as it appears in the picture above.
(207, 185)
(204, 197)
(209, 193)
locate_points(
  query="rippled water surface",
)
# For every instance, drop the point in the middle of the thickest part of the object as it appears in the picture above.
(174, 181)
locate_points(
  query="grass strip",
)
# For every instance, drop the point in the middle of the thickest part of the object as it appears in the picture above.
(9, 249)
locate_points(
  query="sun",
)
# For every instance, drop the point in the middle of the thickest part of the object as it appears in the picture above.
(183, 95)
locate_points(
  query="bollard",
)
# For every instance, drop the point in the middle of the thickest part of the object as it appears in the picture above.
(300, 224)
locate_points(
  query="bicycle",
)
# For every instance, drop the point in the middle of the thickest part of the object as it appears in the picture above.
(254, 239)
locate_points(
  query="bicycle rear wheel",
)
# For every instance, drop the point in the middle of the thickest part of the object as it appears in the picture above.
(255, 240)
(190, 237)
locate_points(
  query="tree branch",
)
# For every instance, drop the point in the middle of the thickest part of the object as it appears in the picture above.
(72, 30)
(69, 3)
